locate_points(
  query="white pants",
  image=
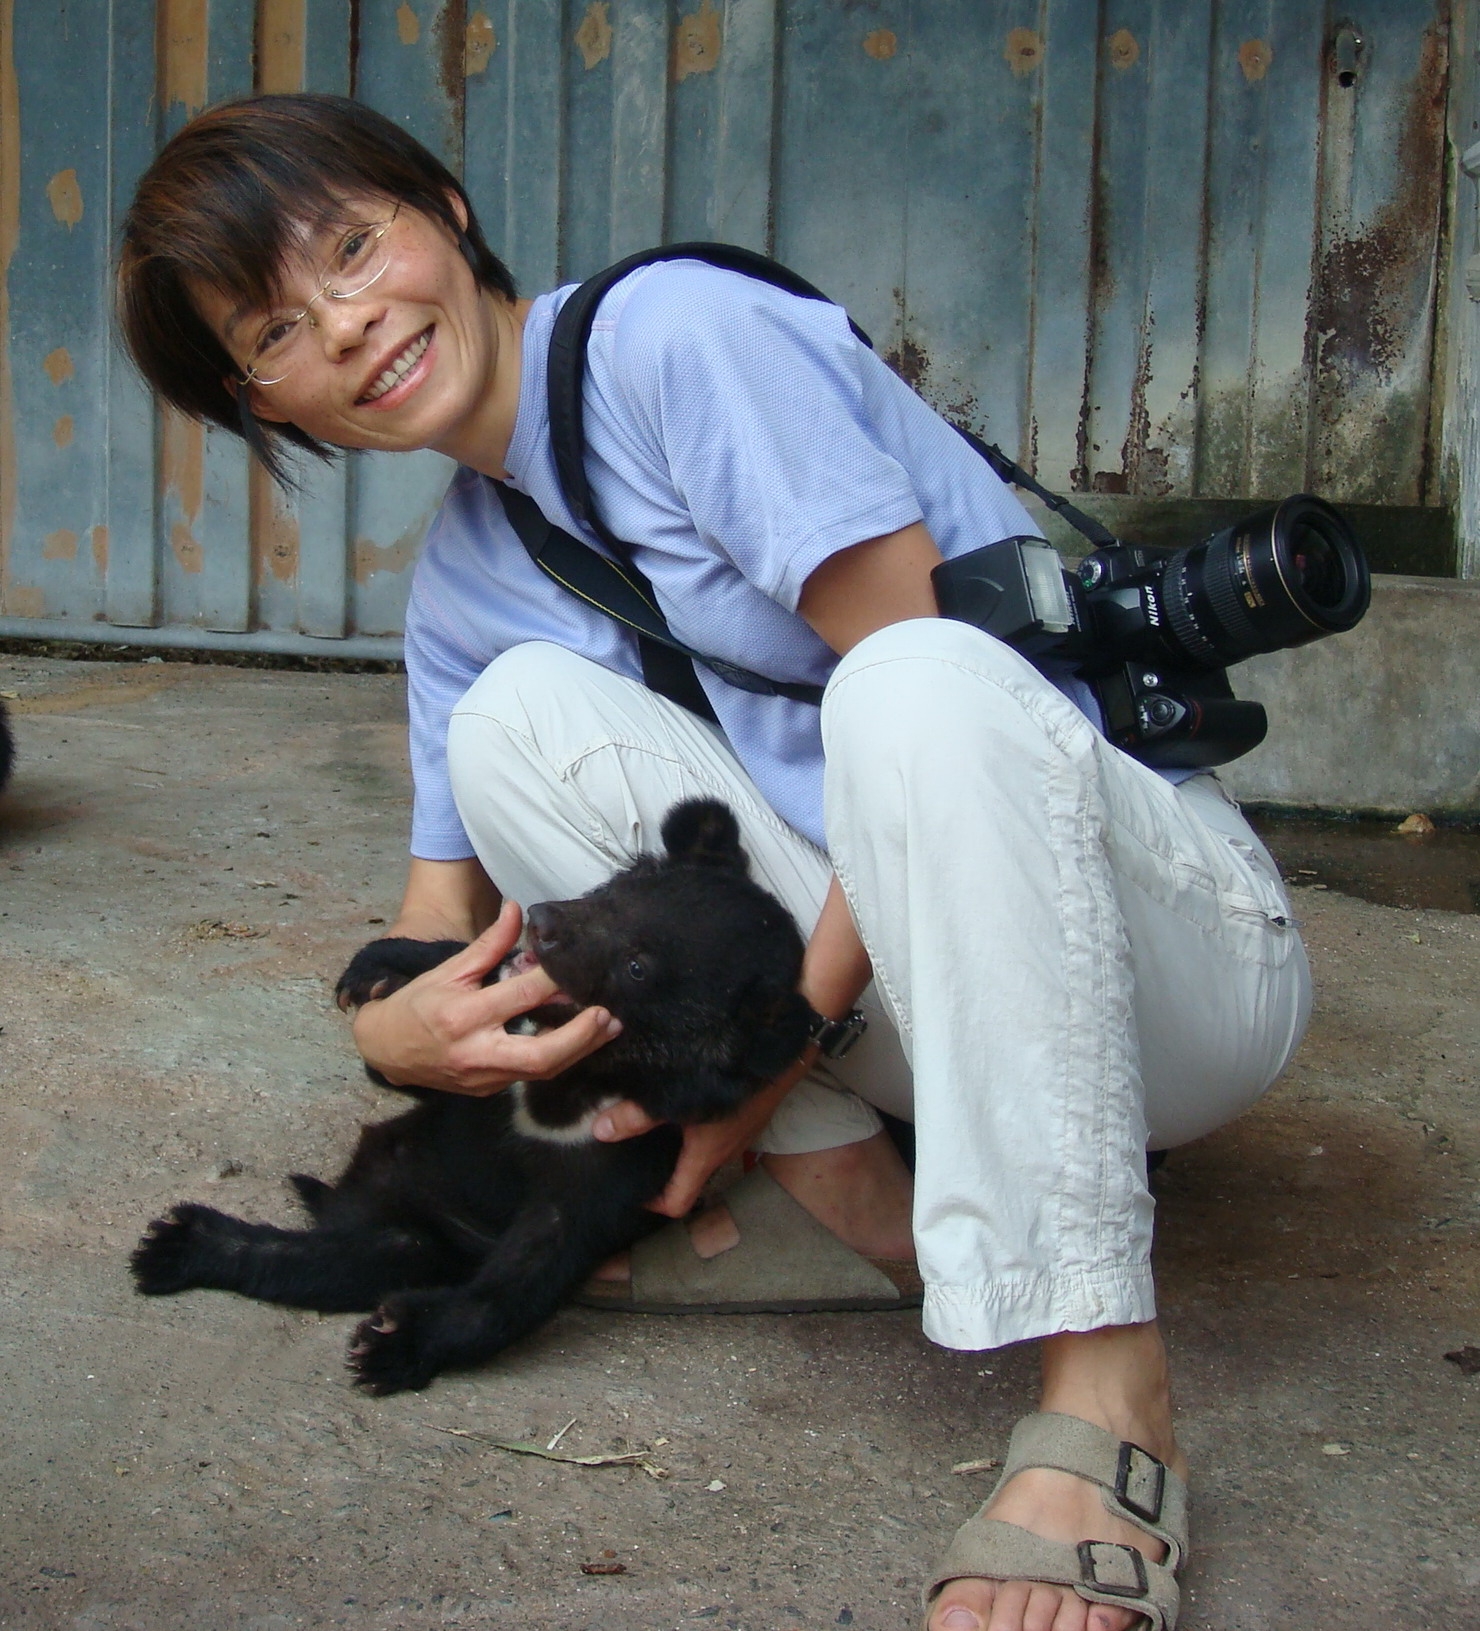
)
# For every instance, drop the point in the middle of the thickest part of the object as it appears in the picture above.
(1074, 960)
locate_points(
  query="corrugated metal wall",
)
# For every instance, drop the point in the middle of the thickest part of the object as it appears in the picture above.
(1162, 249)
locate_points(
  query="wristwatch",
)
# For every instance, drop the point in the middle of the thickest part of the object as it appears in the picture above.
(834, 1037)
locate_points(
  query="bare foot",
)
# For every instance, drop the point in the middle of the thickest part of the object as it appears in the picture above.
(1117, 1379)
(861, 1191)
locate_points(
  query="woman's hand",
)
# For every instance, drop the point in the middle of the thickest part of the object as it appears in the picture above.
(706, 1147)
(446, 1028)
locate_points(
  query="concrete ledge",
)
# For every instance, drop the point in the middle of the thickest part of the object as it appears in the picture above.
(1386, 718)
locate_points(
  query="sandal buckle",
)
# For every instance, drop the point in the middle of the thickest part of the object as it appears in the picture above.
(1142, 1467)
(1125, 1568)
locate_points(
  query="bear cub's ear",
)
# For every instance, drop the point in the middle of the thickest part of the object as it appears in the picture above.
(704, 831)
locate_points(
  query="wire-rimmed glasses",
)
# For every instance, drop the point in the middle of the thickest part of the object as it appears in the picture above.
(361, 255)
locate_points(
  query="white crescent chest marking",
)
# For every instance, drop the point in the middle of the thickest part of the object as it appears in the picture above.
(572, 1132)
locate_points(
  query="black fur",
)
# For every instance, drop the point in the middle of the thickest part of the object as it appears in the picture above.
(7, 747)
(461, 1230)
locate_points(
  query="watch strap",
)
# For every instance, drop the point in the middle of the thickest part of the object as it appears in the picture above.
(835, 1037)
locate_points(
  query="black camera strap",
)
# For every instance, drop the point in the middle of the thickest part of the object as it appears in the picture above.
(614, 585)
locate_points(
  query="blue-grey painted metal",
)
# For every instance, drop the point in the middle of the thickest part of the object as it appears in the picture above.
(1164, 249)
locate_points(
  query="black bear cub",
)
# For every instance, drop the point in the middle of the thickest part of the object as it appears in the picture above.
(465, 1222)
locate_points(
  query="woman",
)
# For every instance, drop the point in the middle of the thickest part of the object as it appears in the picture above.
(1069, 958)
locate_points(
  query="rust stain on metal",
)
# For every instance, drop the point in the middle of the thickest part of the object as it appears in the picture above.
(594, 36)
(10, 226)
(65, 197)
(281, 44)
(182, 460)
(697, 42)
(182, 473)
(1024, 52)
(370, 557)
(1364, 301)
(23, 600)
(450, 40)
(910, 361)
(58, 365)
(61, 432)
(881, 44)
(1254, 57)
(60, 545)
(479, 44)
(1146, 465)
(182, 46)
(408, 24)
(99, 541)
(186, 548)
(273, 528)
(1125, 49)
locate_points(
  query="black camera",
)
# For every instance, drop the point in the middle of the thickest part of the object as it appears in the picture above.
(1152, 630)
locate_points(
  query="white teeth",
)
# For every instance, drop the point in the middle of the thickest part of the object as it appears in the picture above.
(399, 368)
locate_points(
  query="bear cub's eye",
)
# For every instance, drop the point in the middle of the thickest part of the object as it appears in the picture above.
(636, 969)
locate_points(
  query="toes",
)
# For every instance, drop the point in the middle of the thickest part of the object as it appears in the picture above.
(964, 1605)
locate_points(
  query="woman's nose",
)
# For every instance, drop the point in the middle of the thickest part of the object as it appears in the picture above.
(343, 321)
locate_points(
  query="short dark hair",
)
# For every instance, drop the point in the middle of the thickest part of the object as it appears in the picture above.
(221, 206)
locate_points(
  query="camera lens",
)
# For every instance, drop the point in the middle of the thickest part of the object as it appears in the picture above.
(1285, 576)
(1316, 570)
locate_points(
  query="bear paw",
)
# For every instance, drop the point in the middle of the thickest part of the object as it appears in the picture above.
(167, 1259)
(388, 1351)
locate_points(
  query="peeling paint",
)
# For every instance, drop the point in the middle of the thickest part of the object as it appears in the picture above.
(65, 197)
(1364, 289)
(1024, 51)
(370, 557)
(182, 478)
(99, 541)
(282, 45)
(594, 36)
(23, 600)
(1254, 57)
(1125, 49)
(274, 530)
(480, 44)
(186, 549)
(696, 42)
(182, 460)
(61, 432)
(408, 24)
(60, 545)
(881, 44)
(182, 47)
(58, 365)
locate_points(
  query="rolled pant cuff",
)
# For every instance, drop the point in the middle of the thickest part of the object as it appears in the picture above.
(995, 1313)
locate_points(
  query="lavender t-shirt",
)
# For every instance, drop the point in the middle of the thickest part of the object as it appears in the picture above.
(737, 436)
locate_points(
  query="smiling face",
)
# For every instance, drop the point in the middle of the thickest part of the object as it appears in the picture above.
(421, 357)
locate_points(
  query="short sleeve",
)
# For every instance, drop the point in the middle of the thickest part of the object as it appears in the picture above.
(438, 673)
(753, 398)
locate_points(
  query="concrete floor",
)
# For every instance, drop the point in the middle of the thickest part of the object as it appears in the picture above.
(187, 856)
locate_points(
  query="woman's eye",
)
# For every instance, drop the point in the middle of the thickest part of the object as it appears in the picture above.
(275, 334)
(635, 969)
(353, 248)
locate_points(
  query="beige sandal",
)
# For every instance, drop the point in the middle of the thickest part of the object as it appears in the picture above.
(1134, 1486)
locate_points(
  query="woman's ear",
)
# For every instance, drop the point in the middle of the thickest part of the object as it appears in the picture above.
(459, 209)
